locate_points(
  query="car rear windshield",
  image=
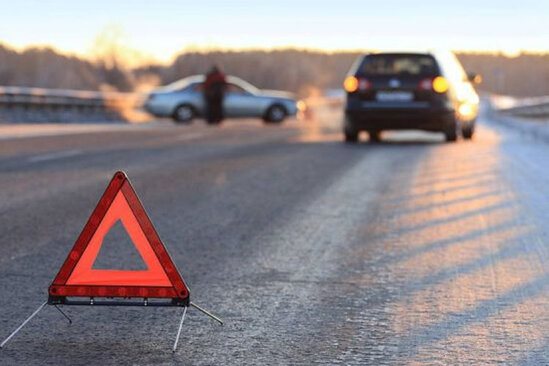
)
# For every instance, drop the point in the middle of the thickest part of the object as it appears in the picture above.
(398, 64)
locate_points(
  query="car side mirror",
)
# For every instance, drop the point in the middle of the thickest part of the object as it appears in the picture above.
(474, 77)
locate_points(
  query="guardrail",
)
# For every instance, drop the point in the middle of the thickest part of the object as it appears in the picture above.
(23, 104)
(537, 107)
(59, 98)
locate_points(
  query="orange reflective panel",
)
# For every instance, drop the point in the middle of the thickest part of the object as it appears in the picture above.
(77, 277)
(83, 274)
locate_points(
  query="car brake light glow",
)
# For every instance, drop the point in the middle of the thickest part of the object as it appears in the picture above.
(440, 84)
(364, 84)
(425, 84)
(466, 110)
(350, 84)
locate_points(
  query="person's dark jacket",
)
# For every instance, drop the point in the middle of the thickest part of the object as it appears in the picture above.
(214, 85)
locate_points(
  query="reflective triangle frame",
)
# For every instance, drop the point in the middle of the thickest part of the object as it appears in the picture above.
(76, 278)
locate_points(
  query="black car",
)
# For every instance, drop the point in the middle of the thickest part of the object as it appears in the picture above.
(396, 91)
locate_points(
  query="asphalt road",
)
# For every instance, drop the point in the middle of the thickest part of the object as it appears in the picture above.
(409, 251)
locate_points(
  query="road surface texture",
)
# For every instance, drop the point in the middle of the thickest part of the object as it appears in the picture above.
(409, 251)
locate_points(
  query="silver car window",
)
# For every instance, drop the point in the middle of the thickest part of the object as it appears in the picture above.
(183, 83)
(243, 84)
(236, 89)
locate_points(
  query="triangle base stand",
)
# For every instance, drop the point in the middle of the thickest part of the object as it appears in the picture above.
(204, 311)
(91, 302)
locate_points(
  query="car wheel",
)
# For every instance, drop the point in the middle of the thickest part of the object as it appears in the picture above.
(351, 136)
(184, 113)
(451, 133)
(468, 131)
(275, 114)
(375, 136)
(450, 136)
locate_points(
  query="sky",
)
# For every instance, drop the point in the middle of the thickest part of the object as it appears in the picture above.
(160, 29)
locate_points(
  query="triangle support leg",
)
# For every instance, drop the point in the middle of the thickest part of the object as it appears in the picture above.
(63, 313)
(207, 313)
(23, 324)
(179, 330)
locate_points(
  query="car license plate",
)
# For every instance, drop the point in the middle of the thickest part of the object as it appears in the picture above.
(399, 96)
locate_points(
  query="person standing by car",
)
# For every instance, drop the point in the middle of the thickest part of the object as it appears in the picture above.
(214, 90)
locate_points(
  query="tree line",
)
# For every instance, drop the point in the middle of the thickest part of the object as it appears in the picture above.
(301, 71)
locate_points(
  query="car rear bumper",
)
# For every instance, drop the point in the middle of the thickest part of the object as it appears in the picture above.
(399, 116)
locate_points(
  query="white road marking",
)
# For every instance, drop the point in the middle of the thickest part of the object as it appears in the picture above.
(8, 132)
(53, 156)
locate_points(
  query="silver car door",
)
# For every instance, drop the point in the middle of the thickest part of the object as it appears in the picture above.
(240, 103)
(195, 97)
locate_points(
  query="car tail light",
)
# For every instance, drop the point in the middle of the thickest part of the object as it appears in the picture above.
(426, 84)
(350, 84)
(438, 84)
(364, 84)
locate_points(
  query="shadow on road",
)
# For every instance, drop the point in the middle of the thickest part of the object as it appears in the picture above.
(462, 259)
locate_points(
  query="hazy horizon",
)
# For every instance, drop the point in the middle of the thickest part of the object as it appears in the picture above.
(156, 32)
(213, 49)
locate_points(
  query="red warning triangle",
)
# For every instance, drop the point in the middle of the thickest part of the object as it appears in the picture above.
(77, 278)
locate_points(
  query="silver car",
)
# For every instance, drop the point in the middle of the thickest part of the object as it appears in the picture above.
(183, 100)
